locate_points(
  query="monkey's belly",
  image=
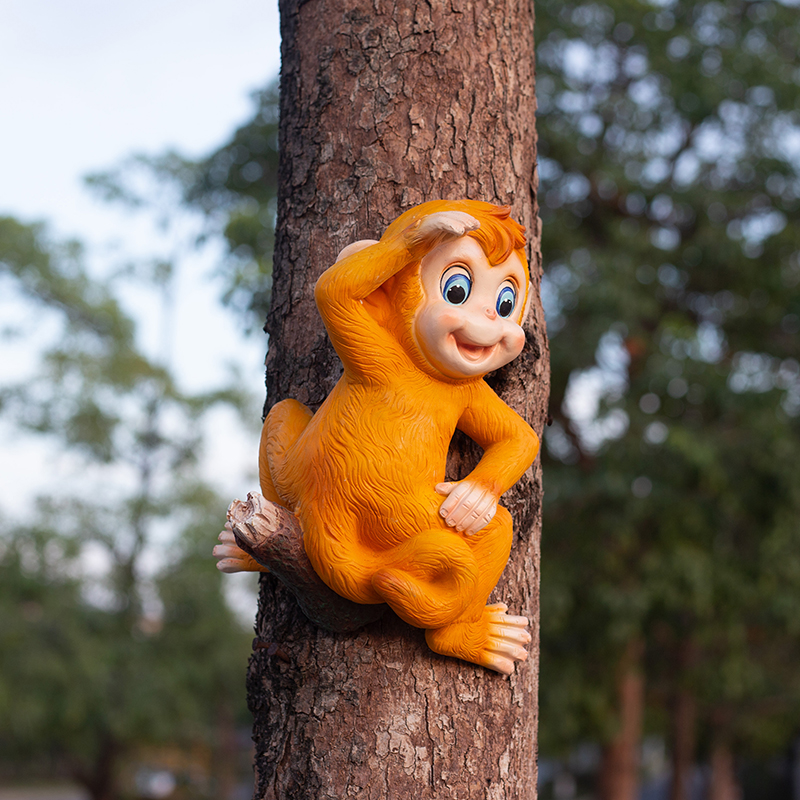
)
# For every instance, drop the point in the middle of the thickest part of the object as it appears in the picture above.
(377, 473)
(364, 473)
(375, 509)
(348, 540)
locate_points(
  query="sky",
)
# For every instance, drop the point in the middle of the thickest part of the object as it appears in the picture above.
(86, 83)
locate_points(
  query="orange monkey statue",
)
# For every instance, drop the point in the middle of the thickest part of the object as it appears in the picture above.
(418, 319)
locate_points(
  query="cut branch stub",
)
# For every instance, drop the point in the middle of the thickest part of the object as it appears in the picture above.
(273, 537)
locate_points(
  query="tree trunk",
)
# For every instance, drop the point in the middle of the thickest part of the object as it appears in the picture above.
(684, 714)
(724, 784)
(619, 771)
(100, 777)
(383, 106)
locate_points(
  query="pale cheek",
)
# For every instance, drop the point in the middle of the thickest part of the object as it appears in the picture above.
(448, 320)
(433, 328)
(516, 340)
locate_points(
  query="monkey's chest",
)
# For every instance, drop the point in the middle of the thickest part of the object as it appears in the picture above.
(379, 452)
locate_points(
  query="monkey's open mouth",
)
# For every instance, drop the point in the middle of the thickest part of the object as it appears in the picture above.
(474, 352)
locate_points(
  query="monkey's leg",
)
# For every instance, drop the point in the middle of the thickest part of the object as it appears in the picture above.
(282, 428)
(430, 579)
(483, 634)
(273, 535)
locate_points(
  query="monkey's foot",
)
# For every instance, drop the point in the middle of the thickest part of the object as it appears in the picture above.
(496, 640)
(231, 558)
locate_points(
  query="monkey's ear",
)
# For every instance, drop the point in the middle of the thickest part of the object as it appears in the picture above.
(354, 248)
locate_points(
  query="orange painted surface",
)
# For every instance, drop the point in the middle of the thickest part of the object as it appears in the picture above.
(362, 472)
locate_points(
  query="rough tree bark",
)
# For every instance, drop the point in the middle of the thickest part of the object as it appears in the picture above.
(385, 105)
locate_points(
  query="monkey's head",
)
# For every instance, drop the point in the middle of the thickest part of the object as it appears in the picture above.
(462, 300)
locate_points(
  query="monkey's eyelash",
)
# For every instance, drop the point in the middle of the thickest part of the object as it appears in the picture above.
(506, 300)
(457, 265)
(447, 273)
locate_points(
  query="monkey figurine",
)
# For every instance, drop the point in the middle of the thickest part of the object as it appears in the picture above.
(418, 319)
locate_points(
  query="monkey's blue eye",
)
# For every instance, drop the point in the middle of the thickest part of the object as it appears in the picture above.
(456, 289)
(506, 301)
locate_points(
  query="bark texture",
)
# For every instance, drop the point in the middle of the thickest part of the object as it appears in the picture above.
(385, 105)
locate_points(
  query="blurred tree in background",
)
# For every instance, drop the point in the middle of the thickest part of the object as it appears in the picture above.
(669, 140)
(114, 633)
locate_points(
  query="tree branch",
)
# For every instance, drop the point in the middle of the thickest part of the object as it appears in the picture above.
(273, 537)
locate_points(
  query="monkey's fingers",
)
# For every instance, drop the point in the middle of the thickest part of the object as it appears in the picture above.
(454, 510)
(467, 507)
(481, 516)
(355, 247)
(455, 494)
(456, 223)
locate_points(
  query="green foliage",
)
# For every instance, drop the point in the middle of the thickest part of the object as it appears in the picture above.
(670, 202)
(113, 635)
(235, 188)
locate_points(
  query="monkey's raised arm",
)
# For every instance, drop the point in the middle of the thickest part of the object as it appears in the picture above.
(349, 297)
(509, 444)
(352, 320)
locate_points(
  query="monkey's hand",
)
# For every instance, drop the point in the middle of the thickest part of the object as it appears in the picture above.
(434, 229)
(231, 558)
(468, 507)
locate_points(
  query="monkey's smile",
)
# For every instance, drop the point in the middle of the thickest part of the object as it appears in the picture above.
(474, 352)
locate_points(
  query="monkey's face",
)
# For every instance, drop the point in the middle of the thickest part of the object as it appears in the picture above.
(468, 323)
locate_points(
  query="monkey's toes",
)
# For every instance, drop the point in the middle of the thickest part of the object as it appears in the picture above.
(507, 637)
(226, 536)
(510, 633)
(502, 660)
(227, 551)
(230, 566)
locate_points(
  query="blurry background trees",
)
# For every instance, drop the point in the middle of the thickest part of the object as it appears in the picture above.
(669, 144)
(114, 632)
(670, 207)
